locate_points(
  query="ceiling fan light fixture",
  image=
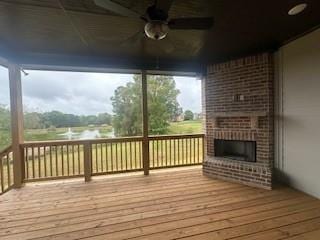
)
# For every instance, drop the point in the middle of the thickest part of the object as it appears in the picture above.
(297, 9)
(156, 30)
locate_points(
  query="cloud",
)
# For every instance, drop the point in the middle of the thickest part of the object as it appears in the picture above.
(72, 92)
(84, 93)
(190, 96)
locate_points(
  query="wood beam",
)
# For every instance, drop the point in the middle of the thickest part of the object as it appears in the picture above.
(145, 122)
(16, 123)
(87, 151)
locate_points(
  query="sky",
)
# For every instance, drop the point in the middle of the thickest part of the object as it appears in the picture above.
(84, 93)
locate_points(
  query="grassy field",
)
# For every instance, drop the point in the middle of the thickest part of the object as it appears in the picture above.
(186, 127)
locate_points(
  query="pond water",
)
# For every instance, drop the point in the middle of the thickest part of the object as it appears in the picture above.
(86, 134)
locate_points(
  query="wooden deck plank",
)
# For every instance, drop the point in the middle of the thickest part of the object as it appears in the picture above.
(186, 211)
(180, 203)
(285, 231)
(314, 235)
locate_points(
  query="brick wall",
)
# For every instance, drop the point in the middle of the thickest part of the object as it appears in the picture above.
(229, 118)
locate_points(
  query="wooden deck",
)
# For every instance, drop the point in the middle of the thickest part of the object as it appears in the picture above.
(170, 204)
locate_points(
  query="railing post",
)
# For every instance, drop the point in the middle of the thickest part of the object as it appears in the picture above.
(145, 141)
(16, 123)
(87, 155)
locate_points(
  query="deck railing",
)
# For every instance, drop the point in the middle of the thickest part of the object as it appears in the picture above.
(175, 150)
(63, 159)
(53, 159)
(6, 170)
(116, 155)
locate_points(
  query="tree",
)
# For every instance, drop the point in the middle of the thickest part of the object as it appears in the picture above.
(5, 126)
(4, 118)
(104, 118)
(188, 115)
(162, 106)
(126, 104)
(162, 103)
(33, 120)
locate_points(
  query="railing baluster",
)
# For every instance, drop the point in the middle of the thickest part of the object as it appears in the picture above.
(62, 159)
(111, 159)
(125, 154)
(158, 153)
(96, 157)
(50, 160)
(1, 174)
(166, 152)
(190, 150)
(117, 169)
(101, 160)
(68, 164)
(73, 162)
(26, 156)
(45, 161)
(8, 170)
(153, 152)
(170, 147)
(79, 160)
(130, 154)
(39, 163)
(121, 157)
(107, 167)
(135, 155)
(56, 160)
(179, 152)
(33, 165)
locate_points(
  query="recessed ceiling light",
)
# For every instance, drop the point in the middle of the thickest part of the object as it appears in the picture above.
(297, 9)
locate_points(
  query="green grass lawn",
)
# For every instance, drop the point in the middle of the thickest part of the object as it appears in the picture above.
(186, 127)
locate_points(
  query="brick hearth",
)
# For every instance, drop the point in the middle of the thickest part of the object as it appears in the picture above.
(239, 106)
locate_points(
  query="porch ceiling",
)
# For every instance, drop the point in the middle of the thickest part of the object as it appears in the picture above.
(40, 32)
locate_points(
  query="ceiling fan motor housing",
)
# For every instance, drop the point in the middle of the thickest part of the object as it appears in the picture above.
(156, 29)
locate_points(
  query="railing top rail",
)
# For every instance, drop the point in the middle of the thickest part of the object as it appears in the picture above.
(6, 151)
(114, 140)
(82, 141)
(175, 136)
(107, 140)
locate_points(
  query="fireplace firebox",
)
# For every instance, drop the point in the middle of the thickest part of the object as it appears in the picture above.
(235, 150)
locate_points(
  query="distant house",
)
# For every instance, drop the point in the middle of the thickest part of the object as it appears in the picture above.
(197, 116)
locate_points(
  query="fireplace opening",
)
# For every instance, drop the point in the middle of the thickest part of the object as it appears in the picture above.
(235, 150)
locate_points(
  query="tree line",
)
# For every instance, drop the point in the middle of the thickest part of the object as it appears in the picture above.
(36, 120)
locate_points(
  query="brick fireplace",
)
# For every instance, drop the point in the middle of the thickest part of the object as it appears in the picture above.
(239, 120)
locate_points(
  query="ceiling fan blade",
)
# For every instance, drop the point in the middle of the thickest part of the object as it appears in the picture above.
(116, 8)
(191, 23)
(134, 39)
(164, 5)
